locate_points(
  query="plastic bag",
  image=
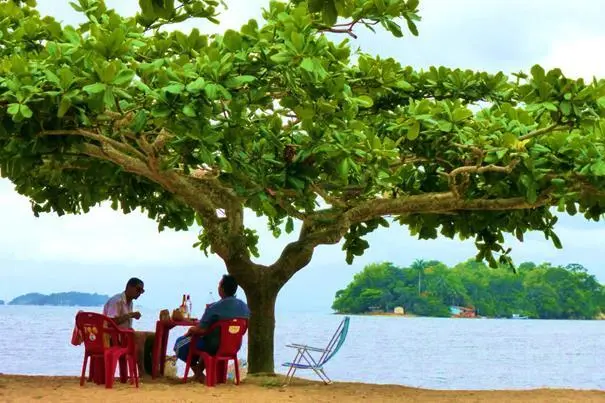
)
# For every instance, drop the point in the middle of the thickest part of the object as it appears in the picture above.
(243, 370)
(170, 367)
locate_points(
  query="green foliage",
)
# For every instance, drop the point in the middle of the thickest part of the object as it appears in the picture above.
(276, 118)
(539, 291)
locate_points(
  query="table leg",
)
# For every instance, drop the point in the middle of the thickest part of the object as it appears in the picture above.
(163, 352)
(157, 349)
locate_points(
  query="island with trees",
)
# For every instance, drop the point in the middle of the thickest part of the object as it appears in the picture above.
(284, 118)
(1, 302)
(71, 298)
(430, 288)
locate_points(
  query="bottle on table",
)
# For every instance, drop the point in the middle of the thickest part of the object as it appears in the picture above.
(189, 306)
(184, 306)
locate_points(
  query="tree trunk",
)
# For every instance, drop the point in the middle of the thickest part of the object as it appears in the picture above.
(261, 330)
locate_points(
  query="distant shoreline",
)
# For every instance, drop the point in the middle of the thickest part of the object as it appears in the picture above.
(411, 315)
(405, 315)
(70, 298)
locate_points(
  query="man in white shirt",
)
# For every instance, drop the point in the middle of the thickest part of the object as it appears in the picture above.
(119, 307)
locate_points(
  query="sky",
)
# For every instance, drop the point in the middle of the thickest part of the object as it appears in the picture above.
(99, 251)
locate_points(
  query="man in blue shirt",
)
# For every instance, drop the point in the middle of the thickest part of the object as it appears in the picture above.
(228, 307)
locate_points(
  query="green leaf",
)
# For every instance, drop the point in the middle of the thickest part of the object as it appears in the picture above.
(197, 85)
(175, 88)
(394, 28)
(308, 64)
(64, 106)
(52, 77)
(282, 57)
(555, 240)
(537, 72)
(565, 107)
(95, 88)
(289, 225)
(25, 111)
(239, 81)
(461, 114)
(139, 121)
(13, 109)
(598, 168)
(364, 101)
(188, 110)
(413, 131)
(109, 99)
(123, 77)
(232, 40)
(330, 14)
(404, 85)
(343, 169)
(211, 91)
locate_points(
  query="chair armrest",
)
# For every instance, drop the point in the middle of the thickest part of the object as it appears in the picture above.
(304, 346)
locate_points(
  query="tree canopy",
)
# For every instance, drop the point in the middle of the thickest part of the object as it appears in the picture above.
(539, 291)
(282, 118)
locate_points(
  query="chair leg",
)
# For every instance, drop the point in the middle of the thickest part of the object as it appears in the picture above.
(187, 366)
(324, 377)
(83, 376)
(210, 365)
(292, 369)
(236, 367)
(123, 363)
(134, 372)
(110, 370)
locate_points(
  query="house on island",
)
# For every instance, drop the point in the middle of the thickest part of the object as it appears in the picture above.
(463, 312)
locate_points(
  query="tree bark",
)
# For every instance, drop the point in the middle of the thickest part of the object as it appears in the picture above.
(261, 328)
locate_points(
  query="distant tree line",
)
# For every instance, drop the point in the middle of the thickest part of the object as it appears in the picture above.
(429, 288)
(63, 298)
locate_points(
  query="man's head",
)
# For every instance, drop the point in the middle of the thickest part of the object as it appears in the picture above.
(134, 288)
(227, 286)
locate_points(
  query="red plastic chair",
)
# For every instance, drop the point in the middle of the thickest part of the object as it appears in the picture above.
(232, 332)
(106, 343)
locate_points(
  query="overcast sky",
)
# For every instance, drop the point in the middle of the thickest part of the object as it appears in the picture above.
(99, 251)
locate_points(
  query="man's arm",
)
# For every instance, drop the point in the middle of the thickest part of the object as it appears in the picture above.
(123, 318)
(207, 319)
(196, 331)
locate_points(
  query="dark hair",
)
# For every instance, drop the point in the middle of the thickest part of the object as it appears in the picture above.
(229, 285)
(133, 282)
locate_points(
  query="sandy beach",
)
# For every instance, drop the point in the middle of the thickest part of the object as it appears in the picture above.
(15, 388)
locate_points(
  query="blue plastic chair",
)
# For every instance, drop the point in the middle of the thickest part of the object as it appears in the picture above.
(317, 365)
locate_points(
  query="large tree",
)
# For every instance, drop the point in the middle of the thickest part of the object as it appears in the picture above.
(279, 119)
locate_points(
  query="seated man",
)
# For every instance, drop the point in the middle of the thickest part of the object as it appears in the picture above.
(228, 307)
(119, 307)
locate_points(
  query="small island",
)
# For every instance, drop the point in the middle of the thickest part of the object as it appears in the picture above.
(71, 298)
(471, 290)
(1, 302)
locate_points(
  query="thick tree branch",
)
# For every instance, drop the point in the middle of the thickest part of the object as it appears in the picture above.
(442, 202)
(296, 255)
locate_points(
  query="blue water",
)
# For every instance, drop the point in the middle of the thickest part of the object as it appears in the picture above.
(420, 352)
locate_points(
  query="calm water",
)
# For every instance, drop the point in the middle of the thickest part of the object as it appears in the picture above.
(422, 352)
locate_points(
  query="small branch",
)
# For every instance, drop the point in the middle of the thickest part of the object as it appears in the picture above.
(482, 169)
(541, 131)
(334, 201)
(340, 31)
(126, 148)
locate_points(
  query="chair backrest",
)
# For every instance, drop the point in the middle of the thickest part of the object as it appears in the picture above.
(336, 342)
(98, 331)
(232, 332)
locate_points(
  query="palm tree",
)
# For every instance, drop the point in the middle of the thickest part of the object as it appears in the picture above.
(419, 265)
